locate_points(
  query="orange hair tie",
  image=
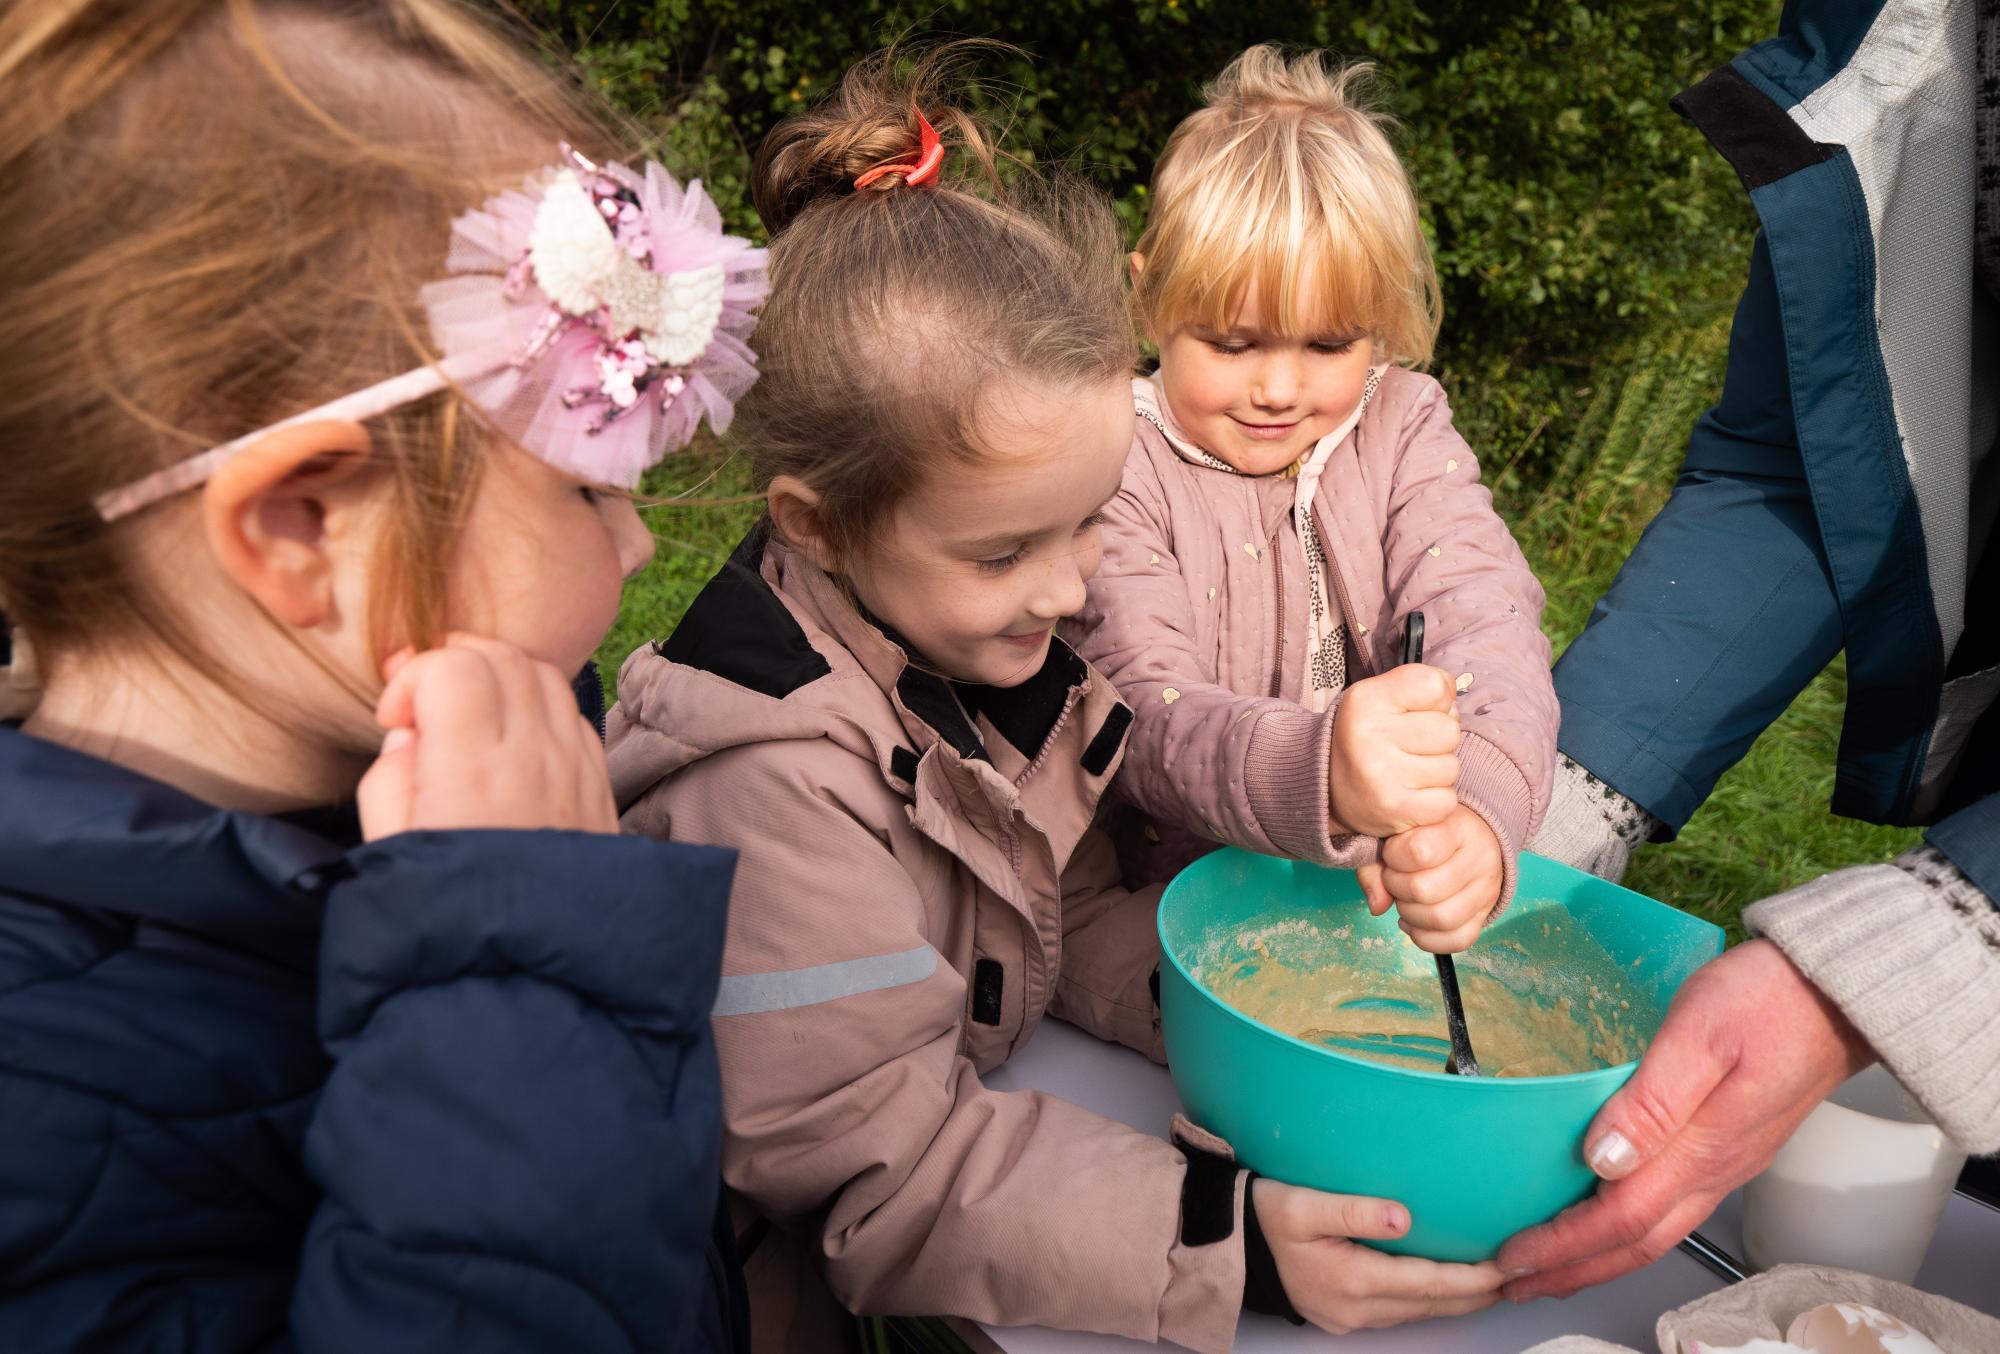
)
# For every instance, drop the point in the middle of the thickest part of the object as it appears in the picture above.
(917, 170)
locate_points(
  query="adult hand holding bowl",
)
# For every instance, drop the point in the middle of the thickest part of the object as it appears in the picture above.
(1747, 1050)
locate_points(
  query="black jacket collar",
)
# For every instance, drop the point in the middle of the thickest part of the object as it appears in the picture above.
(739, 630)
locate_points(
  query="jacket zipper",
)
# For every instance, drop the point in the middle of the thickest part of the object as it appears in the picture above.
(1330, 544)
(1055, 731)
(1278, 572)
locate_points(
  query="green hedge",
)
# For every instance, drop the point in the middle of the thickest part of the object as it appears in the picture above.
(1567, 203)
(1590, 246)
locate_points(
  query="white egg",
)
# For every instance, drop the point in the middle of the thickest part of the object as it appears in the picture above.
(1835, 1328)
(1850, 1328)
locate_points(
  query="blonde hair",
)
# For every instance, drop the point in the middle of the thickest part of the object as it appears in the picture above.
(217, 214)
(894, 307)
(1285, 188)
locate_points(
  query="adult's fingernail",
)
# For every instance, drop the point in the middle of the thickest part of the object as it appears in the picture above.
(397, 739)
(1612, 1156)
(1518, 1272)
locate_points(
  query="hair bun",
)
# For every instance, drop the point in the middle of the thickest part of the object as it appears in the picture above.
(1270, 77)
(870, 120)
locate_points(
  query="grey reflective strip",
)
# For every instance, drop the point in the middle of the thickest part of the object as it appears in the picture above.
(755, 993)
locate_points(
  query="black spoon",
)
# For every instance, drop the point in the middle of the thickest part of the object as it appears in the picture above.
(1461, 1063)
(1713, 1258)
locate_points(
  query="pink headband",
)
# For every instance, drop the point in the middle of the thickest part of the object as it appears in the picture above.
(593, 316)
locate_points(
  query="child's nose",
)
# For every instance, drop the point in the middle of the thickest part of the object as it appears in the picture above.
(1277, 383)
(1062, 592)
(633, 541)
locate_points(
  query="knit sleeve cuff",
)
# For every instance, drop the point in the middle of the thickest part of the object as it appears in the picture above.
(1285, 781)
(1910, 953)
(1590, 825)
(1493, 787)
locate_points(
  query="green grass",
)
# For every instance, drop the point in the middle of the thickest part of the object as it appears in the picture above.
(705, 507)
(1618, 433)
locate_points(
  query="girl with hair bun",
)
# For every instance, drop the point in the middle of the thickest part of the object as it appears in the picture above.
(335, 1013)
(870, 703)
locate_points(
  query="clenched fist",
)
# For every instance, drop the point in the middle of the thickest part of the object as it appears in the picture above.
(1443, 878)
(481, 735)
(1394, 759)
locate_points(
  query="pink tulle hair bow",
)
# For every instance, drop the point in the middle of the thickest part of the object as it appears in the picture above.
(595, 316)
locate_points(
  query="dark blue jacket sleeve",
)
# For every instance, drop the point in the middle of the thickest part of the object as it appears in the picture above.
(519, 1143)
(1971, 838)
(1724, 611)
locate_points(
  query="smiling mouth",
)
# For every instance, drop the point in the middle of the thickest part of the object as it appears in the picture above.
(1028, 640)
(1265, 431)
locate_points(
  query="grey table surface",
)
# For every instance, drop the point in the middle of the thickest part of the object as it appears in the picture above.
(1964, 1260)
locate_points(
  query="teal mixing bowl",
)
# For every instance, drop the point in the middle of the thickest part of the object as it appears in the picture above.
(1475, 1159)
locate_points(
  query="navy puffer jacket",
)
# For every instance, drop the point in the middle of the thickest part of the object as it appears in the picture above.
(263, 1088)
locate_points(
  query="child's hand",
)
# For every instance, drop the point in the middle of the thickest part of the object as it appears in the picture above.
(1341, 1287)
(1443, 879)
(481, 735)
(1394, 758)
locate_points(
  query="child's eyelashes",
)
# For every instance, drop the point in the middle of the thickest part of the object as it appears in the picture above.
(605, 495)
(1321, 347)
(1000, 564)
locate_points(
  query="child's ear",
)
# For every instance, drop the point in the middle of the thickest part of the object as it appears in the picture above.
(274, 514)
(796, 513)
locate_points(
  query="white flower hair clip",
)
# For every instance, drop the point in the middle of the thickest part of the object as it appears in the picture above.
(594, 316)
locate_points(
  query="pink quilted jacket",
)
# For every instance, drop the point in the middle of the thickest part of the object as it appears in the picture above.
(919, 887)
(1197, 617)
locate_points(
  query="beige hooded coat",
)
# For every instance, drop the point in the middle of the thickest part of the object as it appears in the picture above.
(919, 885)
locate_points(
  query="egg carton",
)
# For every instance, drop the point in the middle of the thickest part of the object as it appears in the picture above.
(1763, 1315)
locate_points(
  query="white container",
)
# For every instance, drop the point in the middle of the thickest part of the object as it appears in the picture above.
(1860, 1185)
